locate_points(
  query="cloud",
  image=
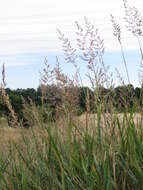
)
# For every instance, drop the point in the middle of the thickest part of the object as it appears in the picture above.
(30, 26)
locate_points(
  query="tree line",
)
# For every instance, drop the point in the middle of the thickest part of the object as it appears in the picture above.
(121, 98)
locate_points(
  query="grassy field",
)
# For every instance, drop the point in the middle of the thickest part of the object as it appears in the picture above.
(61, 150)
(68, 155)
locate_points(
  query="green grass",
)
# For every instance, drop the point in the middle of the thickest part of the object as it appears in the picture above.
(75, 159)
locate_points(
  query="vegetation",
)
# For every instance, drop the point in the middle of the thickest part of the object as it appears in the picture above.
(16, 98)
(77, 137)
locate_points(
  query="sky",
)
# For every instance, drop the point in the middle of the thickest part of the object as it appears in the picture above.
(28, 34)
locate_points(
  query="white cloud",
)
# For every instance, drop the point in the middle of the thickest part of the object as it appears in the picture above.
(30, 25)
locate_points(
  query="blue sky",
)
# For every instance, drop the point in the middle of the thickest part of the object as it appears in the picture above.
(24, 73)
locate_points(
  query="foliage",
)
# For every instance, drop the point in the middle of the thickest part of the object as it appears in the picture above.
(124, 97)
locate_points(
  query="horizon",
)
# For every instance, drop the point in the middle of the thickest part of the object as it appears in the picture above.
(28, 74)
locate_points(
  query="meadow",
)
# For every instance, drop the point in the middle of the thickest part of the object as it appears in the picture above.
(60, 146)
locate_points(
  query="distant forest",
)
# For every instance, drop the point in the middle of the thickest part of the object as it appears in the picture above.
(122, 98)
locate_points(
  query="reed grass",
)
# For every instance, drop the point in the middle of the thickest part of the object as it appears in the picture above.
(102, 150)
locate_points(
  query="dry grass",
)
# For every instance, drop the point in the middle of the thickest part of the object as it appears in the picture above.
(107, 117)
(8, 134)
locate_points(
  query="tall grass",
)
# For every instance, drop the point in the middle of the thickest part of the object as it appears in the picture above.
(93, 151)
(76, 159)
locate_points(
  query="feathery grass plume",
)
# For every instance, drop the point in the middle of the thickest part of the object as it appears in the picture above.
(69, 89)
(11, 115)
(117, 34)
(46, 78)
(65, 99)
(89, 42)
(134, 23)
(116, 29)
(134, 20)
(91, 51)
(71, 55)
(69, 51)
(47, 75)
(62, 79)
(90, 45)
(49, 91)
